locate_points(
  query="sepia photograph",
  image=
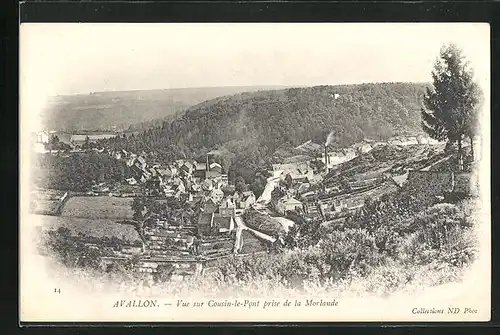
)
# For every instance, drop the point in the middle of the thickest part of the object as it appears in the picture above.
(260, 172)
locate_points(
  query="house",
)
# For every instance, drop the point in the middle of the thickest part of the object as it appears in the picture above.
(247, 199)
(169, 191)
(174, 169)
(316, 179)
(217, 195)
(153, 172)
(176, 181)
(362, 148)
(205, 222)
(227, 207)
(195, 187)
(235, 197)
(200, 171)
(333, 158)
(210, 206)
(288, 203)
(132, 250)
(142, 161)
(399, 180)
(349, 153)
(279, 169)
(180, 187)
(300, 188)
(213, 173)
(42, 137)
(207, 185)
(223, 223)
(412, 140)
(165, 173)
(131, 181)
(147, 175)
(296, 177)
(347, 203)
(395, 141)
(131, 161)
(216, 167)
(187, 167)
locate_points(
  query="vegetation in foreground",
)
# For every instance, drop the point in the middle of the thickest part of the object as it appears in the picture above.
(410, 251)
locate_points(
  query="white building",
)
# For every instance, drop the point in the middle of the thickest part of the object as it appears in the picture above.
(42, 137)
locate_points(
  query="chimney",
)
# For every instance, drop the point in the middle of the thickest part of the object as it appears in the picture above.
(326, 160)
(208, 164)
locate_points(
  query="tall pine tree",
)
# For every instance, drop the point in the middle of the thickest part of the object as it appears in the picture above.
(452, 105)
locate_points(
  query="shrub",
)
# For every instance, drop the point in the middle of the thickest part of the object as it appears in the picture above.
(263, 223)
(438, 223)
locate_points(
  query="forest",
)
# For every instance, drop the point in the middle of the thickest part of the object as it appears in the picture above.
(248, 129)
(77, 171)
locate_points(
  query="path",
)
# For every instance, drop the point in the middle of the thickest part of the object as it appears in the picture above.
(240, 226)
(265, 197)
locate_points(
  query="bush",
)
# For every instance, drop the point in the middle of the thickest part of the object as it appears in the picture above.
(263, 223)
(439, 223)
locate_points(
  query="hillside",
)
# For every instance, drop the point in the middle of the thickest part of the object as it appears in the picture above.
(253, 126)
(127, 110)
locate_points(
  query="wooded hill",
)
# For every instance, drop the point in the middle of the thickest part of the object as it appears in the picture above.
(253, 126)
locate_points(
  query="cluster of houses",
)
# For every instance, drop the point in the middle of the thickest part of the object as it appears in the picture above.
(335, 157)
(41, 139)
(219, 217)
(185, 180)
(296, 179)
(190, 181)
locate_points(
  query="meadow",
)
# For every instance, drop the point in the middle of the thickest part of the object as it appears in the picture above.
(91, 227)
(101, 207)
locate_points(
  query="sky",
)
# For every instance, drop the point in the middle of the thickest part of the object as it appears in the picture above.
(74, 58)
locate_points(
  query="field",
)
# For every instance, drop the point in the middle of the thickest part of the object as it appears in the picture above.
(103, 207)
(90, 227)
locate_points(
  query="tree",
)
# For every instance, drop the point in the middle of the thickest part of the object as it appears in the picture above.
(86, 144)
(240, 185)
(452, 105)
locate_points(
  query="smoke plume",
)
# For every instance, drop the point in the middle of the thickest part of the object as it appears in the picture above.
(329, 139)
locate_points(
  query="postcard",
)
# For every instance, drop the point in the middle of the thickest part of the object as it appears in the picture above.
(261, 172)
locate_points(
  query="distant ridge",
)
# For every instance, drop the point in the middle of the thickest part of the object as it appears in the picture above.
(118, 110)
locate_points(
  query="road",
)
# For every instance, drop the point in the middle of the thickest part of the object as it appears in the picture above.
(240, 226)
(265, 198)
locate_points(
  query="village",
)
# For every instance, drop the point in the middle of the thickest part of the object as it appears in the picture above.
(313, 184)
